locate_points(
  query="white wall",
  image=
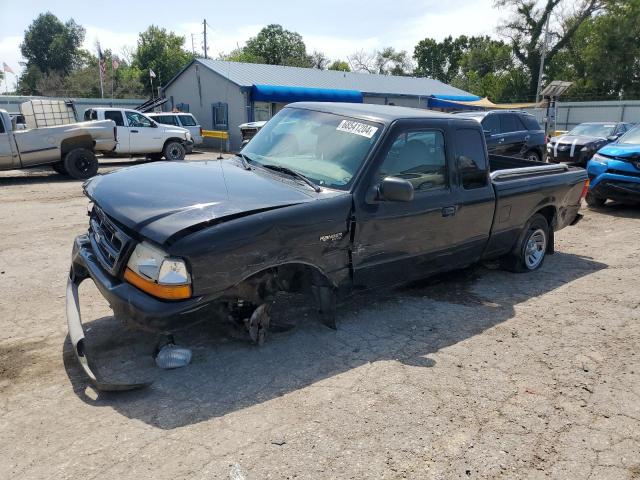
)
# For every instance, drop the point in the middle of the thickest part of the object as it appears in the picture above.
(570, 114)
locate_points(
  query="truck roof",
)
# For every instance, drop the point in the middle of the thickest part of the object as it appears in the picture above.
(371, 112)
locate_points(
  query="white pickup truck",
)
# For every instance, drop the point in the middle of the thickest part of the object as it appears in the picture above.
(69, 148)
(139, 135)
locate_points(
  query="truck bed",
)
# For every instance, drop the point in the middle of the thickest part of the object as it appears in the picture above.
(521, 187)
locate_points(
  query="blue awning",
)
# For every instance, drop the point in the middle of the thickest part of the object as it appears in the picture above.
(281, 94)
(449, 101)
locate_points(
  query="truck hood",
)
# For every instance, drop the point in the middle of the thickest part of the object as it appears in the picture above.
(162, 199)
(622, 150)
(177, 131)
(580, 140)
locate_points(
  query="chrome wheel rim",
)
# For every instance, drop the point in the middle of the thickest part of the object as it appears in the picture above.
(175, 152)
(533, 157)
(535, 248)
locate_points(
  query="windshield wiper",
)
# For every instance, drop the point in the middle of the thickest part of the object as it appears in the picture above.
(293, 173)
(245, 160)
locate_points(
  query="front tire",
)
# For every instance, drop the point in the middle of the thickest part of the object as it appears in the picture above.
(594, 201)
(81, 163)
(531, 249)
(174, 151)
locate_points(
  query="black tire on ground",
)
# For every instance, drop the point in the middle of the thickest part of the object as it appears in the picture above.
(595, 201)
(174, 151)
(533, 156)
(59, 167)
(81, 163)
(531, 248)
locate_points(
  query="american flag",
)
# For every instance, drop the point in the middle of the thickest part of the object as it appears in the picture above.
(101, 59)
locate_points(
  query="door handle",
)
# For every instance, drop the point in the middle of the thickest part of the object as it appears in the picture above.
(449, 211)
(134, 131)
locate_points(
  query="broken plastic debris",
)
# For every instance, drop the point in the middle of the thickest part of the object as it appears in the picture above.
(172, 356)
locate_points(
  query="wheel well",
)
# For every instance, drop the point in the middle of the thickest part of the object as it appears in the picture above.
(289, 277)
(173, 139)
(68, 144)
(549, 213)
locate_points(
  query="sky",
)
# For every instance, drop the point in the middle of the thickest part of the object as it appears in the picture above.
(335, 27)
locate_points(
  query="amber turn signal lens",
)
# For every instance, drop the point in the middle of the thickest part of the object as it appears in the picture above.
(166, 292)
(585, 189)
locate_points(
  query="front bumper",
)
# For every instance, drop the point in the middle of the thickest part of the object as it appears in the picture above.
(578, 159)
(614, 179)
(127, 302)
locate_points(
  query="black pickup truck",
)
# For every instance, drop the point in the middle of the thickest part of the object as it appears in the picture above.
(326, 199)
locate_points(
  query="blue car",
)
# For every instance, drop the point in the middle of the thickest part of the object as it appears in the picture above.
(614, 171)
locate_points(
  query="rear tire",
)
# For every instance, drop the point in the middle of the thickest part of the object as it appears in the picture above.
(174, 151)
(594, 201)
(59, 168)
(533, 156)
(531, 249)
(81, 163)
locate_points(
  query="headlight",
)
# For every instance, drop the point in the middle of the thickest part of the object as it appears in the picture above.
(600, 159)
(587, 148)
(151, 270)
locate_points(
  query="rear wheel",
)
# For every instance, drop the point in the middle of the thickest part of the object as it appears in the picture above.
(531, 248)
(81, 163)
(174, 151)
(595, 201)
(533, 156)
(59, 167)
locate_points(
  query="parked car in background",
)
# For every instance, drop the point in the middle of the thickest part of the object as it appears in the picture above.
(511, 132)
(578, 145)
(139, 135)
(69, 149)
(327, 199)
(249, 130)
(614, 171)
(184, 120)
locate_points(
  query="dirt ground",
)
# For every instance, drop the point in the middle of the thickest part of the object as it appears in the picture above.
(477, 374)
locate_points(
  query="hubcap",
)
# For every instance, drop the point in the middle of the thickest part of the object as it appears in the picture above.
(535, 249)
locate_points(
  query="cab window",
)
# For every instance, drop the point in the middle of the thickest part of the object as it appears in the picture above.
(136, 119)
(114, 115)
(471, 159)
(419, 157)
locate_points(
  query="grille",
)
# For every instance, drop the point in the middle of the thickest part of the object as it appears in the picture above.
(108, 241)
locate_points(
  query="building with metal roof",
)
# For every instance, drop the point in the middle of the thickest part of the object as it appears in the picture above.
(223, 95)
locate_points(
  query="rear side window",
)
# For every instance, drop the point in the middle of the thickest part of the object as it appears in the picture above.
(166, 119)
(114, 115)
(1, 126)
(492, 124)
(187, 120)
(510, 123)
(530, 122)
(90, 115)
(470, 158)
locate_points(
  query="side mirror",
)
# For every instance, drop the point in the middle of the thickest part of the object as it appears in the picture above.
(612, 138)
(393, 189)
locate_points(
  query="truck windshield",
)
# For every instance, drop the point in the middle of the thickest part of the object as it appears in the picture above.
(328, 149)
(593, 130)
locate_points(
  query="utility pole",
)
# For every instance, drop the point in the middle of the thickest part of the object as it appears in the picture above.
(542, 56)
(193, 45)
(205, 37)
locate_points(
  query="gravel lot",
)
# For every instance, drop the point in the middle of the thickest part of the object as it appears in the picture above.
(477, 374)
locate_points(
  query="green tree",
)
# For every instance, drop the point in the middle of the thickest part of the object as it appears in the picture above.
(525, 30)
(339, 65)
(603, 57)
(276, 46)
(162, 52)
(440, 60)
(49, 46)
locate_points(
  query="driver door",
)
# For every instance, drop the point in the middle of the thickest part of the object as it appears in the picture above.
(396, 242)
(144, 137)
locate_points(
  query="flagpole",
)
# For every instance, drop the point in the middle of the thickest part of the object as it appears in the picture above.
(113, 74)
(100, 70)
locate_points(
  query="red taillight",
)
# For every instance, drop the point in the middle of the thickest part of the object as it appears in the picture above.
(200, 131)
(585, 189)
(546, 139)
